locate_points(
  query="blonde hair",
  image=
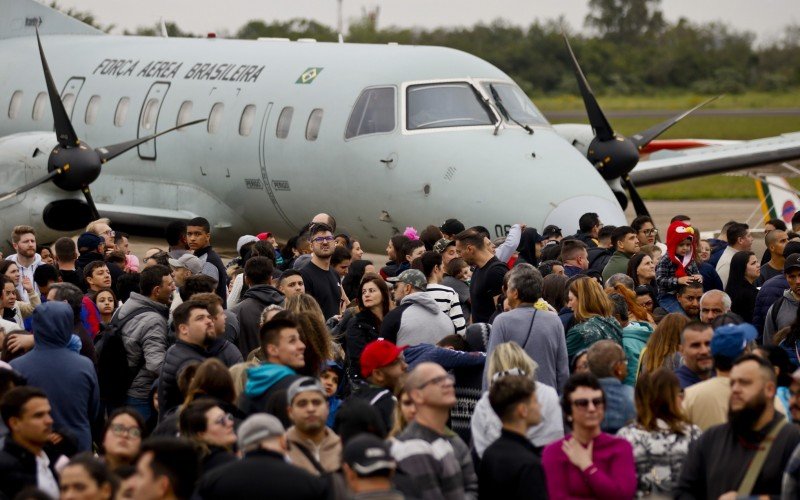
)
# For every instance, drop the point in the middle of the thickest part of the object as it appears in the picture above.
(239, 375)
(400, 422)
(18, 231)
(590, 301)
(92, 226)
(510, 355)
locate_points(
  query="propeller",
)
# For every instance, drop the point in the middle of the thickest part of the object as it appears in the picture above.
(614, 155)
(73, 165)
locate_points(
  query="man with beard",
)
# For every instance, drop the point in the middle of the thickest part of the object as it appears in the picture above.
(23, 238)
(319, 278)
(383, 367)
(695, 349)
(312, 445)
(719, 462)
(706, 402)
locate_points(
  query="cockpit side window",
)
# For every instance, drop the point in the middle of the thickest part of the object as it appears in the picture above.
(373, 113)
(443, 105)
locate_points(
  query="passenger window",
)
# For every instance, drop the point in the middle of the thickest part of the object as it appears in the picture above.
(246, 122)
(39, 105)
(215, 117)
(150, 114)
(312, 127)
(184, 113)
(373, 113)
(16, 101)
(69, 102)
(121, 114)
(284, 122)
(91, 110)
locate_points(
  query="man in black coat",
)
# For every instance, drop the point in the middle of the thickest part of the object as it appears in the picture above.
(197, 341)
(511, 467)
(198, 235)
(26, 412)
(263, 470)
(258, 276)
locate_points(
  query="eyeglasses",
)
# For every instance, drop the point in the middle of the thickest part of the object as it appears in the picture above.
(120, 430)
(323, 239)
(438, 380)
(584, 402)
(224, 419)
(649, 232)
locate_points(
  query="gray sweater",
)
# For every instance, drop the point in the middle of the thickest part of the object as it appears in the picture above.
(417, 320)
(144, 336)
(546, 343)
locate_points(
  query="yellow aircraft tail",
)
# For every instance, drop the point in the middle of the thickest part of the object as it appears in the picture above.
(778, 198)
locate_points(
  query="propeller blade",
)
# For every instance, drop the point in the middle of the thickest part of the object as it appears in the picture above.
(602, 129)
(87, 193)
(65, 134)
(638, 203)
(642, 139)
(109, 152)
(31, 185)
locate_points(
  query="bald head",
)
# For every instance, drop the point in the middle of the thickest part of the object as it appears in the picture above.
(714, 303)
(421, 374)
(325, 219)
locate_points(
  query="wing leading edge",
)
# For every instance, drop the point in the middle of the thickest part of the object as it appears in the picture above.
(668, 166)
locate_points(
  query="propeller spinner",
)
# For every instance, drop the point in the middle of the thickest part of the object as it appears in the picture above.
(73, 165)
(614, 155)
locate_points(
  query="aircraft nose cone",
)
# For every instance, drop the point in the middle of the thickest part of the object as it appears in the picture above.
(81, 166)
(614, 158)
(567, 213)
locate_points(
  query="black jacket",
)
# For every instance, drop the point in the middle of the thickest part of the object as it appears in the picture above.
(260, 473)
(379, 398)
(169, 396)
(511, 469)
(248, 312)
(18, 469)
(222, 284)
(361, 330)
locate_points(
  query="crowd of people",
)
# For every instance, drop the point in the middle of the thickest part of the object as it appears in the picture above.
(603, 364)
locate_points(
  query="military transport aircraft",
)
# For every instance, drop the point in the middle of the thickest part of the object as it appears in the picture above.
(274, 131)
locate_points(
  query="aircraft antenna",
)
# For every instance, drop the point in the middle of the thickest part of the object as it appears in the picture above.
(163, 28)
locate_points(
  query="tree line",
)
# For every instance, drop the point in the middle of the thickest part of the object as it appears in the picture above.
(627, 48)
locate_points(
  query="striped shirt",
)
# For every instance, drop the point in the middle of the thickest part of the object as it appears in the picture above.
(447, 300)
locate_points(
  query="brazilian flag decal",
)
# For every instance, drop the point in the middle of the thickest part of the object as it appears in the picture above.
(309, 75)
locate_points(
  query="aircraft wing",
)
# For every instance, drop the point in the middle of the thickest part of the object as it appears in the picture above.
(143, 216)
(667, 166)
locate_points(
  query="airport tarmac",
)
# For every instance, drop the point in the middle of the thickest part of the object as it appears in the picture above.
(707, 215)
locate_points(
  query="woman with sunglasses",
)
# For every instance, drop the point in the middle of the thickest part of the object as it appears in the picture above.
(661, 434)
(207, 425)
(122, 438)
(588, 463)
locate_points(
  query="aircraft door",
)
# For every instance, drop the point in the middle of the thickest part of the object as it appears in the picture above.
(264, 163)
(70, 93)
(148, 118)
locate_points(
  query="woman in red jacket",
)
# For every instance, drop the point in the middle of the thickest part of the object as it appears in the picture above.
(588, 463)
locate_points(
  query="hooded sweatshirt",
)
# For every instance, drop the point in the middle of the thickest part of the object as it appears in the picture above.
(672, 266)
(418, 320)
(634, 338)
(68, 379)
(265, 390)
(26, 272)
(248, 312)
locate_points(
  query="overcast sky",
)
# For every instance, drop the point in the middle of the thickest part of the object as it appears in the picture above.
(766, 18)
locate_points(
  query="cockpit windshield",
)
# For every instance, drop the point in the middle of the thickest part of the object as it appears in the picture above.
(441, 105)
(515, 102)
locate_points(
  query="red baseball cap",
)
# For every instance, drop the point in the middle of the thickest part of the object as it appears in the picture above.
(263, 236)
(377, 354)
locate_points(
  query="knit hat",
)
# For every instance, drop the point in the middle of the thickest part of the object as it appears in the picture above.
(676, 233)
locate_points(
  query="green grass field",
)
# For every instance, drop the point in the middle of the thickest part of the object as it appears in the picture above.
(738, 127)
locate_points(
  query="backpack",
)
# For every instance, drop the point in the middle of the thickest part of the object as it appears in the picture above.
(113, 373)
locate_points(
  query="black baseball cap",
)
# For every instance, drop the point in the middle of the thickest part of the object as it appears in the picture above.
(791, 262)
(452, 226)
(368, 455)
(551, 230)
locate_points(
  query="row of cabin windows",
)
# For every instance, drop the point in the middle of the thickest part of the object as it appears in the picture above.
(152, 107)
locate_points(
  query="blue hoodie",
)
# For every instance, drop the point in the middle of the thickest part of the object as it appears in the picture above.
(68, 379)
(261, 378)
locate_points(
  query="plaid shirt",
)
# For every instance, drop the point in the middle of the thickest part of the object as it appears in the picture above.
(666, 279)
